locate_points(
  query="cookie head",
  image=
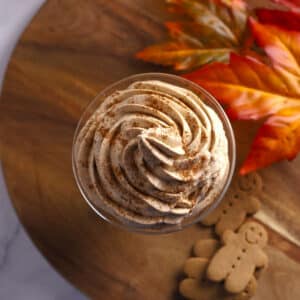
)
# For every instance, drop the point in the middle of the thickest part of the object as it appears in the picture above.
(251, 182)
(254, 234)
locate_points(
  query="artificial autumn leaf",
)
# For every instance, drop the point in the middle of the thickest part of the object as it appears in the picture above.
(184, 52)
(283, 49)
(210, 31)
(277, 139)
(240, 4)
(253, 90)
(225, 20)
(291, 4)
(286, 19)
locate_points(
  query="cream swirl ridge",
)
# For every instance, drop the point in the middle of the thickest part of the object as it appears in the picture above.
(152, 153)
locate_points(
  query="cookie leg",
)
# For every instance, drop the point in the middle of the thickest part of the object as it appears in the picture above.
(195, 289)
(247, 294)
(195, 267)
(239, 277)
(189, 288)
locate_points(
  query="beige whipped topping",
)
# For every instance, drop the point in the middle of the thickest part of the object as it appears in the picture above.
(152, 153)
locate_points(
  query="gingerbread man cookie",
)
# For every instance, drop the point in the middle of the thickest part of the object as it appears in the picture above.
(232, 211)
(238, 259)
(197, 287)
(250, 183)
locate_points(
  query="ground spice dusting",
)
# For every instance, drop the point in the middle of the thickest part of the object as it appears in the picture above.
(160, 178)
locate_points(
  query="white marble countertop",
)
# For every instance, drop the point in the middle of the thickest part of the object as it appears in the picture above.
(24, 273)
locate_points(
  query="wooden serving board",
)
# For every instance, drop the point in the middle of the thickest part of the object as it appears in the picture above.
(71, 51)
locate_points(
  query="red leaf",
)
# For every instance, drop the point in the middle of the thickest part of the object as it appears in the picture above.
(279, 138)
(251, 90)
(286, 19)
(283, 48)
(291, 4)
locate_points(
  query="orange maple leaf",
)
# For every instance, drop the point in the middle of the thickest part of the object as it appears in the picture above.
(253, 90)
(210, 30)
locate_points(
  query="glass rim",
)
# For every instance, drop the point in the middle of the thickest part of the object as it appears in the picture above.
(209, 100)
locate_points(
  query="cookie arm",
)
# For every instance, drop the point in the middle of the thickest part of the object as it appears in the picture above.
(232, 220)
(253, 205)
(261, 258)
(228, 236)
(206, 248)
(212, 217)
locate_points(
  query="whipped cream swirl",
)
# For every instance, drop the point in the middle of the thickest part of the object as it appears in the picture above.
(152, 153)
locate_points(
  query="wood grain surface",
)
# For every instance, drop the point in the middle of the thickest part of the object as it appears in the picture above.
(72, 50)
